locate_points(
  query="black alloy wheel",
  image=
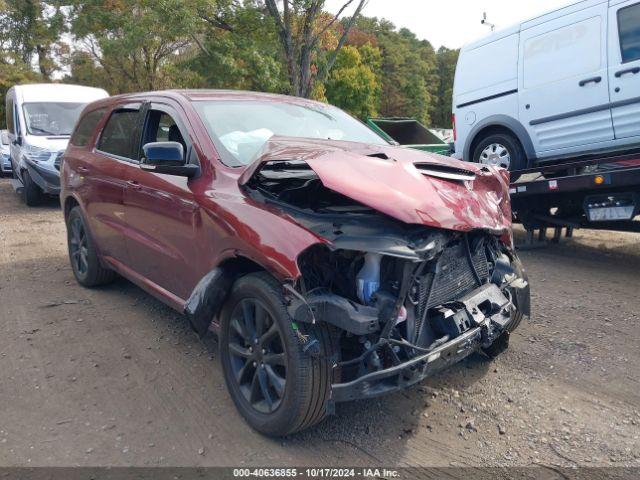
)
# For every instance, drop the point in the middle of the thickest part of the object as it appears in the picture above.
(258, 358)
(78, 246)
(277, 386)
(83, 255)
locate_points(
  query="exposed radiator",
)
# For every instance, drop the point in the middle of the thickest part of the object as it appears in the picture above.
(453, 278)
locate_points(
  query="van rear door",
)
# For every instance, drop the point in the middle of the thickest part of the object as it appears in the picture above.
(624, 67)
(563, 82)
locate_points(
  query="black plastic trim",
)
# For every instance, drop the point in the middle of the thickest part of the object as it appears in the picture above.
(490, 97)
(585, 111)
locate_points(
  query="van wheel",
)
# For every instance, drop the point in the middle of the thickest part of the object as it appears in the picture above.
(30, 191)
(277, 387)
(85, 263)
(501, 150)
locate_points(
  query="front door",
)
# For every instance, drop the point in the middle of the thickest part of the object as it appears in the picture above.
(15, 136)
(563, 84)
(624, 68)
(162, 214)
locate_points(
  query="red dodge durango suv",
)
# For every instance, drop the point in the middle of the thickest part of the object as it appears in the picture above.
(332, 265)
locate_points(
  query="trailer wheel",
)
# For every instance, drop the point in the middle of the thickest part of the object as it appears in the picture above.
(276, 386)
(500, 150)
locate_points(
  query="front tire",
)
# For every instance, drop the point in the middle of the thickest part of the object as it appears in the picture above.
(277, 387)
(501, 150)
(32, 193)
(83, 255)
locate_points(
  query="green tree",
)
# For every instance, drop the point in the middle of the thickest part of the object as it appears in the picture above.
(245, 56)
(13, 72)
(446, 64)
(408, 72)
(137, 43)
(30, 30)
(353, 84)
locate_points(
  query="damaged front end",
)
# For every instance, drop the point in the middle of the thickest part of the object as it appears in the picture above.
(401, 319)
(402, 300)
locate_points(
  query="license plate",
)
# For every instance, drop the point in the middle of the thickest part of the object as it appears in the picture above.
(604, 214)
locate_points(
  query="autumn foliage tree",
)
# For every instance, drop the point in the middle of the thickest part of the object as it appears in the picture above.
(364, 65)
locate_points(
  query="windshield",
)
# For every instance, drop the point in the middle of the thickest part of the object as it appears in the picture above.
(51, 118)
(4, 138)
(241, 128)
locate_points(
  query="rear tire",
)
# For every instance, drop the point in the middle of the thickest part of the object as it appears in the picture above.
(31, 192)
(85, 262)
(274, 399)
(500, 149)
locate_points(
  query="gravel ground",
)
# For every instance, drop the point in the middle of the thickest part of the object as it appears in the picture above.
(113, 377)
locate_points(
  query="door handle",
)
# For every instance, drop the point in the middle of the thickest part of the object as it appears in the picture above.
(590, 80)
(633, 70)
(134, 185)
(83, 170)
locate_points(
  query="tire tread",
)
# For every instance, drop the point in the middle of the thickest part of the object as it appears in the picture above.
(98, 275)
(313, 376)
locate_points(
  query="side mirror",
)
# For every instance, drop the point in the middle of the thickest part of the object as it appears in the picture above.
(18, 141)
(167, 157)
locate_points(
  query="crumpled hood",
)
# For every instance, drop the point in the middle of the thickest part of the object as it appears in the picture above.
(412, 186)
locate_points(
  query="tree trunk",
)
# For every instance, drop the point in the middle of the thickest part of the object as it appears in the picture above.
(42, 61)
(299, 54)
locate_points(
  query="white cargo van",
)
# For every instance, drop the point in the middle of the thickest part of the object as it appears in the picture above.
(40, 119)
(563, 84)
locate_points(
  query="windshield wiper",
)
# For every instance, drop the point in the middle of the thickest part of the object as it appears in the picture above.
(45, 132)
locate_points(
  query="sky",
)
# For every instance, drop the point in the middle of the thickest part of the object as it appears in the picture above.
(452, 23)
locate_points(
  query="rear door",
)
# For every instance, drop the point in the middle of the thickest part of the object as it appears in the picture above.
(107, 169)
(563, 82)
(161, 212)
(624, 68)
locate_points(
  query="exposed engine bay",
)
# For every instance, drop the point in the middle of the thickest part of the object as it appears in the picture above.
(402, 300)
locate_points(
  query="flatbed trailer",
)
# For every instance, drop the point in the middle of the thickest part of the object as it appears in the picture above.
(601, 193)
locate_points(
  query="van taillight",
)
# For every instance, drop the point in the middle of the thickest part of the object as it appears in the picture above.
(453, 122)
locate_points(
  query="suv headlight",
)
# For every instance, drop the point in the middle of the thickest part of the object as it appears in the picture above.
(37, 154)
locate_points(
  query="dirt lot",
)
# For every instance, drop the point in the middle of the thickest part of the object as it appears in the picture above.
(113, 377)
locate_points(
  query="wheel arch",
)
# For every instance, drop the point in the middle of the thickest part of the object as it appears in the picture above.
(499, 124)
(211, 292)
(68, 204)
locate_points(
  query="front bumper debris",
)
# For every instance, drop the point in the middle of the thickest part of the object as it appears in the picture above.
(487, 309)
(408, 373)
(46, 176)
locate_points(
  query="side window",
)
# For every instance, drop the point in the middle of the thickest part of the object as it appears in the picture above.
(86, 127)
(161, 127)
(629, 31)
(9, 111)
(120, 134)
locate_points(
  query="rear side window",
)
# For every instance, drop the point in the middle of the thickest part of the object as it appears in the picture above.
(86, 127)
(120, 134)
(629, 30)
